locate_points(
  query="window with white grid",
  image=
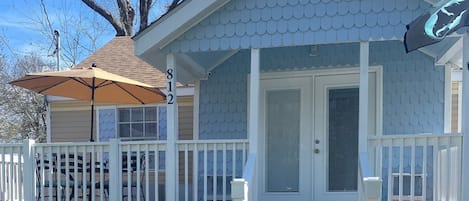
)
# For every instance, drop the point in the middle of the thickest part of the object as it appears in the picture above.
(137, 122)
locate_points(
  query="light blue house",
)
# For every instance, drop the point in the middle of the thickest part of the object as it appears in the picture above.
(332, 106)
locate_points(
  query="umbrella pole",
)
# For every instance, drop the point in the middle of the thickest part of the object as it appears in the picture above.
(92, 109)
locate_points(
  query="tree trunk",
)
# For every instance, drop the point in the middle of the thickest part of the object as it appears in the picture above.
(144, 9)
(123, 25)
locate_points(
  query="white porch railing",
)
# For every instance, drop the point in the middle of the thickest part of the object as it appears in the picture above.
(117, 170)
(244, 189)
(369, 185)
(418, 167)
(207, 167)
(11, 169)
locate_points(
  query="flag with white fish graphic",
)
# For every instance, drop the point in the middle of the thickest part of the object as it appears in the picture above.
(434, 26)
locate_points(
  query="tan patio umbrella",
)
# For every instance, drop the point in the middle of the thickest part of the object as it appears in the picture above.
(93, 84)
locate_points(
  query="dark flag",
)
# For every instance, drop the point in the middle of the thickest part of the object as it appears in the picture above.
(433, 27)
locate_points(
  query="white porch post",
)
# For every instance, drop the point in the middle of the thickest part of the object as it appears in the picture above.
(172, 128)
(254, 117)
(465, 119)
(29, 182)
(254, 100)
(363, 99)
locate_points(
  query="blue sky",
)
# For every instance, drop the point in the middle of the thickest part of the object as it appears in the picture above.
(19, 25)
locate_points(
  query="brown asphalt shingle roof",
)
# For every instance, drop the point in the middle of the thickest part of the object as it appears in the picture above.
(117, 57)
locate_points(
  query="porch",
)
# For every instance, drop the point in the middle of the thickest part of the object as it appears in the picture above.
(411, 167)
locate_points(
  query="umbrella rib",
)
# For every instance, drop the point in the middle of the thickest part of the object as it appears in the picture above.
(104, 83)
(117, 84)
(157, 92)
(81, 81)
(51, 86)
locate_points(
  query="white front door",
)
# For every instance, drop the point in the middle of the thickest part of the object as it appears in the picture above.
(308, 137)
(285, 136)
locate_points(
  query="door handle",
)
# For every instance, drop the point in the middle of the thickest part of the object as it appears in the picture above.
(316, 151)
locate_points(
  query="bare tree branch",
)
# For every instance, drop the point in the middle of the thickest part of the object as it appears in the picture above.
(117, 24)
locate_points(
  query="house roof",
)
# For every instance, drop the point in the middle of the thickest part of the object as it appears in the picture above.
(117, 57)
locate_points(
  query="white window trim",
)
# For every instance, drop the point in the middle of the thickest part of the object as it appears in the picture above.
(116, 125)
(139, 106)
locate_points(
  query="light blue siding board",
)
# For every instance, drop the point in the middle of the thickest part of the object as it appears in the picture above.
(413, 88)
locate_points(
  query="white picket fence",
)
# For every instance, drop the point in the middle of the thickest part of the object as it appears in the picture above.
(418, 167)
(132, 170)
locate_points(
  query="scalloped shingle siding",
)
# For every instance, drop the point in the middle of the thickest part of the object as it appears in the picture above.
(275, 23)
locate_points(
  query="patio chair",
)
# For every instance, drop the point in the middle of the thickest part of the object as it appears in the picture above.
(46, 169)
(132, 169)
(84, 170)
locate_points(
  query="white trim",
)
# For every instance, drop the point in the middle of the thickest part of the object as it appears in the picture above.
(58, 98)
(196, 107)
(48, 124)
(363, 98)
(172, 129)
(182, 91)
(379, 100)
(447, 99)
(459, 106)
(465, 118)
(456, 75)
(253, 117)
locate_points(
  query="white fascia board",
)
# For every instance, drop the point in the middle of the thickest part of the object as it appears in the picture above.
(186, 91)
(177, 22)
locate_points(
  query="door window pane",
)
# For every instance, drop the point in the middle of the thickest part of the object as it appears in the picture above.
(282, 140)
(343, 140)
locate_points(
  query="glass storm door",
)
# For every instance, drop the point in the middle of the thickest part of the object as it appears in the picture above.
(336, 100)
(285, 136)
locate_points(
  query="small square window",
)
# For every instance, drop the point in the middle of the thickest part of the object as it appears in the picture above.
(138, 122)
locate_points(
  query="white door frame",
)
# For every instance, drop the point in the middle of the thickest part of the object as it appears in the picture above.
(375, 127)
(303, 84)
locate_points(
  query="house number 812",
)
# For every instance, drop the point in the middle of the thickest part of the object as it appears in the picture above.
(170, 77)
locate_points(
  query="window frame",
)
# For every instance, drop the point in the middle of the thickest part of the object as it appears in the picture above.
(144, 122)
